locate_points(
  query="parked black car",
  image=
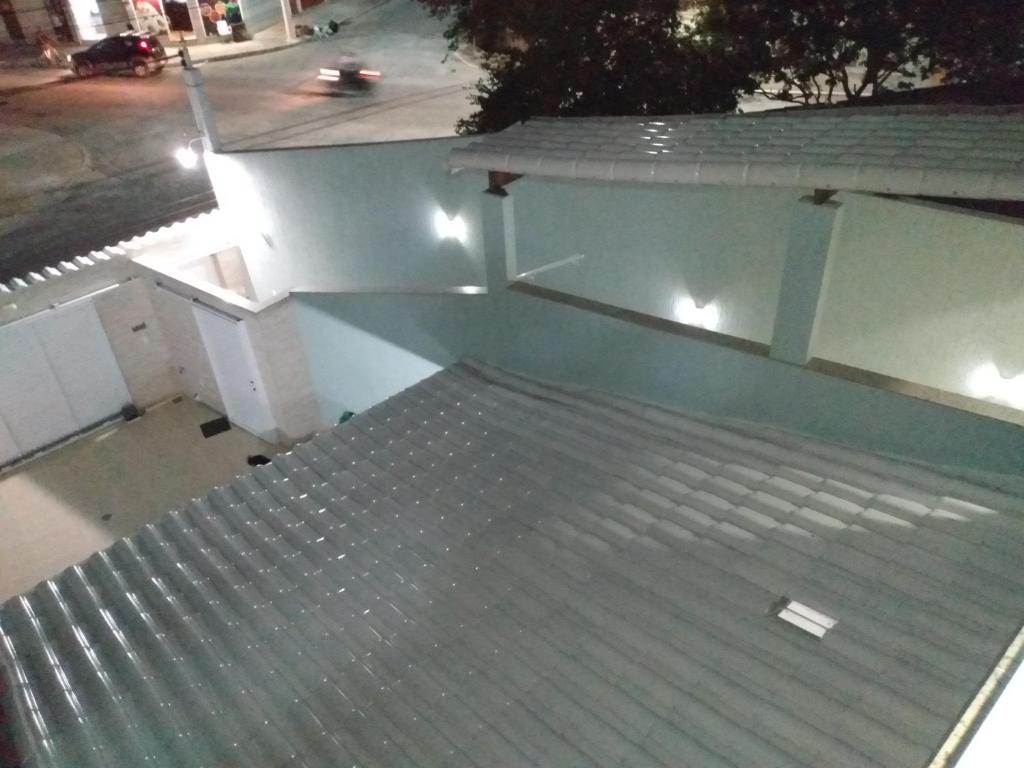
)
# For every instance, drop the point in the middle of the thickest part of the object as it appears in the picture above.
(138, 53)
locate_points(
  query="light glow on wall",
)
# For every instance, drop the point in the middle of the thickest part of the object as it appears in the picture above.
(187, 157)
(987, 382)
(450, 228)
(687, 311)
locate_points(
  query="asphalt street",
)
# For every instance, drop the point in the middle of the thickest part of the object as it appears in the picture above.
(88, 163)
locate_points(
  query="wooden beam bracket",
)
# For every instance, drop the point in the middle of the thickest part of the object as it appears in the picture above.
(497, 180)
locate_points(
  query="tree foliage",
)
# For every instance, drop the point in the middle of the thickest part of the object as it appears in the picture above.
(815, 51)
(485, 23)
(617, 57)
(614, 57)
(976, 41)
(807, 48)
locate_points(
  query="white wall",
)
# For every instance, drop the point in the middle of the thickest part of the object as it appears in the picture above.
(286, 372)
(59, 377)
(138, 341)
(924, 293)
(346, 218)
(123, 305)
(188, 356)
(915, 292)
(364, 349)
(647, 247)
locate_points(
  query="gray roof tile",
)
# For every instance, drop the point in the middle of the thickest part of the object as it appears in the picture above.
(956, 153)
(487, 570)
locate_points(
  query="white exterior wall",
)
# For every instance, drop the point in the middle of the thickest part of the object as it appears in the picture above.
(187, 353)
(123, 305)
(286, 373)
(648, 247)
(350, 218)
(138, 341)
(913, 291)
(924, 293)
(364, 349)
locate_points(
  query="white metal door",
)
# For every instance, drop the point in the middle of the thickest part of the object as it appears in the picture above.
(59, 376)
(9, 450)
(31, 401)
(234, 366)
(83, 361)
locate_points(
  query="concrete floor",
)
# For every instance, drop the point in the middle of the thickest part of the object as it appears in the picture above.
(52, 508)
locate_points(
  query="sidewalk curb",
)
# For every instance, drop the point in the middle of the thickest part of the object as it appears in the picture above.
(67, 78)
(64, 80)
(245, 54)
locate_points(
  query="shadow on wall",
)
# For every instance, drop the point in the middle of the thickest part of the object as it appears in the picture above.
(363, 349)
(366, 348)
(548, 340)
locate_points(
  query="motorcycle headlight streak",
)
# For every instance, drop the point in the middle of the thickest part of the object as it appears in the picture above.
(330, 75)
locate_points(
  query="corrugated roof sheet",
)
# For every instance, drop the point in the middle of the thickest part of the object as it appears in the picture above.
(956, 154)
(121, 251)
(489, 571)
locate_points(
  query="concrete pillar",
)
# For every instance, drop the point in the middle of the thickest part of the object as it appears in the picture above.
(196, 17)
(498, 222)
(811, 243)
(286, 16)
(200, 103)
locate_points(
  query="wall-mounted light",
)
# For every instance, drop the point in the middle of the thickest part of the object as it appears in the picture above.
(450, 228)
(687, 311)
(187, 156)
(986, 381)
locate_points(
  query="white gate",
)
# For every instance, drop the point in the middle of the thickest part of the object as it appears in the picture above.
(58, 376)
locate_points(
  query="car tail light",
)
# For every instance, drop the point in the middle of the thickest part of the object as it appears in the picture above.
(143, 45)
(369, 74)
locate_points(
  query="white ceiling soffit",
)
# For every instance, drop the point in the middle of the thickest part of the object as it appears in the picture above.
(971, 154)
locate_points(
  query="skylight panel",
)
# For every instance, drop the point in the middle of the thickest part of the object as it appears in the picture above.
(803, 617)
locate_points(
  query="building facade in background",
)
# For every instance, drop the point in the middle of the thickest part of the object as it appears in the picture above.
(83, 21)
